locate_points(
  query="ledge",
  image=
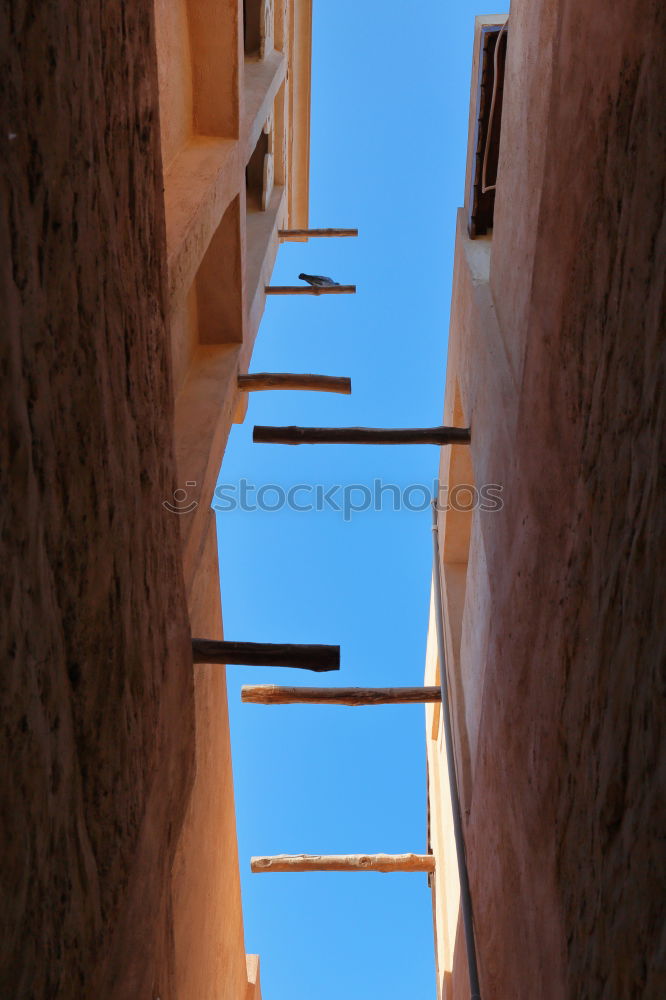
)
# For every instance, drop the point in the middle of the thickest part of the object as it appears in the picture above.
(253, 988)
(261, 81)
(261, 243)
(262, 246)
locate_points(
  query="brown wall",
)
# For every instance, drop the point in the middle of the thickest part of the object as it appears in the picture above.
(208, 916)
(563, 385)
(97, 701)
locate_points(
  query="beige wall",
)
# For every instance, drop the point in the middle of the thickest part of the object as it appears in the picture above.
(207, 911)
(216, 106)
(175, 76)
(125, 198)
(553, 356)
(215, 103)
(444, 882)
(97, 697)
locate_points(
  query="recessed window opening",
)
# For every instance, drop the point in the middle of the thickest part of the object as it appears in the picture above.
(252, 15)
(254, 174)
(490, 93)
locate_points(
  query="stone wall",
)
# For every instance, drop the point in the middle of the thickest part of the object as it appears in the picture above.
(97, 702)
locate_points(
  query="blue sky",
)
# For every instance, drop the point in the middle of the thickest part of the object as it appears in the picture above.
(390, 95)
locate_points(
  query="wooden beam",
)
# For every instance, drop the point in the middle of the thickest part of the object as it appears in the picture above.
(310, 290)
(273, 694)
(287, 234)
(344, 863)
(361, 435)
(314, 383)
(267, 654)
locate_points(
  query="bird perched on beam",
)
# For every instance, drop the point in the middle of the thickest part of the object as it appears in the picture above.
(318, 280)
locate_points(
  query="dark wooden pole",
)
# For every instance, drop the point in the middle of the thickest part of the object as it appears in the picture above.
(273, 694)
(361, 435)
(275, 380)
(310, 290)
(267, 654)
(287, 234)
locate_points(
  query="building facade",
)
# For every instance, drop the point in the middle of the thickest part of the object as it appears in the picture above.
(552, 647)
(234, 105)
(151, 153)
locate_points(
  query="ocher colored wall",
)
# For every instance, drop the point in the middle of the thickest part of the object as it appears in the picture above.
(128, 278)
(97, 701)
(208, 918)
(175, 76)
(559, 356)
(214, 107)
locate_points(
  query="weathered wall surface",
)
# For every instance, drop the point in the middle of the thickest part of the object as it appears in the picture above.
(97, 701)
(210, 961)
(567, 816)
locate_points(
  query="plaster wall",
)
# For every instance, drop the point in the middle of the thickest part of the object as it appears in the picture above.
(175, 76)
(184, 340)
(300, 55)
(219, 282)
(210, 961)
(557, 348)
(120, 869)
(220, 256)
(444, 883)
(215, 34)
(199, 62)
(253, 991)
(97, 700)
